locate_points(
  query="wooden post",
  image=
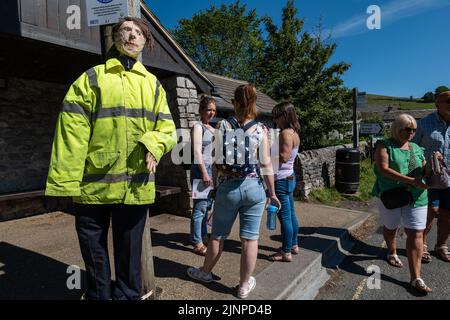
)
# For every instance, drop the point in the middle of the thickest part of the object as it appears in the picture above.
(355, 126)
(106, 39)
(148, 285)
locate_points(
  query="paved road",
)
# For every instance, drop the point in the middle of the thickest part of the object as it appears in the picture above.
(350, 281)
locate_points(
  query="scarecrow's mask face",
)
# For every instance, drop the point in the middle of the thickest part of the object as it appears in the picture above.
(129, 40)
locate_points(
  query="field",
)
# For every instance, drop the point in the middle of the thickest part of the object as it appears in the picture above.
(404, 103)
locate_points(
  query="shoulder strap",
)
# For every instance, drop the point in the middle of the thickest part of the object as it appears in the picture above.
(235, 125)
(233, 122)
(412, 159)
(249, 125)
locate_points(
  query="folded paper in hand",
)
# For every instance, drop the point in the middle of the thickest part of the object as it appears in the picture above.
(199, 190)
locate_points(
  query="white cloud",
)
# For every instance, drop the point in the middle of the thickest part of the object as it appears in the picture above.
(392, 11)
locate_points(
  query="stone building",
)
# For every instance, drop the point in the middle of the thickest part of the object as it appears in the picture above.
(40, 57)
(223, 93)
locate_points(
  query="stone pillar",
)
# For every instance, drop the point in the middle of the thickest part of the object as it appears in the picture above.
(183, 103)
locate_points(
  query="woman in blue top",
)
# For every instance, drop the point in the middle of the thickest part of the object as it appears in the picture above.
(393, 168)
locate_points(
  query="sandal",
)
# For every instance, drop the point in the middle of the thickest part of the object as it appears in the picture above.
(426, 256)
(394, 260)
(420, 285)
(200, 250)
(295, 249)
(442, 253)
(281, 256)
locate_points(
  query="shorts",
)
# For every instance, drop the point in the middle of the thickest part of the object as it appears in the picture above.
(410, 218)
(439, 198)
(244, 196)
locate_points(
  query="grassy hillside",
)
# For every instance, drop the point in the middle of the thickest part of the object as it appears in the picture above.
(405, 103)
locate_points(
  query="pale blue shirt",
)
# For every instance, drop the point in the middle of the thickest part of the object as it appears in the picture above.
(433, 134)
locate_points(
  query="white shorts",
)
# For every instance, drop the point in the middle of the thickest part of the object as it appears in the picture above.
(410, 218)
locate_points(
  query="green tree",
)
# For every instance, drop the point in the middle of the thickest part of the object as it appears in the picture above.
(224, 40)
(439, 90)
(428, 97)
(295, 67)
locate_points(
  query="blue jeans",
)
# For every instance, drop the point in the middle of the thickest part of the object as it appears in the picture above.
(92, 225)
(246, 196)
(199, 219)
(284, 189)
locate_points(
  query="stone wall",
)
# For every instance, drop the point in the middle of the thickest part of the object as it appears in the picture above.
(28, 115)
(28, 112)
(183, 102)
(315, 169)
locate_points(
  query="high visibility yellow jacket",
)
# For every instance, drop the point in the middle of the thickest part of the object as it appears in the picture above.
(109, 120)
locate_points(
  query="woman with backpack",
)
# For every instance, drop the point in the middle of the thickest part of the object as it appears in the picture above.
(202, 136)
(240, 189)
(286, 120)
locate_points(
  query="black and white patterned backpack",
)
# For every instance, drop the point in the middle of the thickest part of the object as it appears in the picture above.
(238, 154)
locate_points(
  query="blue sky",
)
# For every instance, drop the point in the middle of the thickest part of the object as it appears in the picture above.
(408, 56)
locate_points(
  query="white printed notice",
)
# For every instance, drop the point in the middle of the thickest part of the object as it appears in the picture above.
(199, 190)
(101, 12)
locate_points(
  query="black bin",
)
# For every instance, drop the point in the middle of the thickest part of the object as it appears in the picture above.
(347, 170)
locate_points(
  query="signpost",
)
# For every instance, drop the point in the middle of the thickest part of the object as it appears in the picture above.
(101, 12)
(371, 128)
(375, 130)
(355, 125)
(361, 100)
(104, 13)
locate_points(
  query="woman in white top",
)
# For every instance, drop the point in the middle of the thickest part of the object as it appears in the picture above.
(240, 190)
(202, 137)
(287, 121)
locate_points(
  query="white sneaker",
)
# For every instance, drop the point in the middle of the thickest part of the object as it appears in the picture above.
(244, 292)
(199, 275)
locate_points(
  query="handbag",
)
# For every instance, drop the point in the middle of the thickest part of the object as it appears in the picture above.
(436, 174)
(396, 198)
(401, 196)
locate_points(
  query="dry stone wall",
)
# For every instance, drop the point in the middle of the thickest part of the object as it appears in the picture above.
(315, 169)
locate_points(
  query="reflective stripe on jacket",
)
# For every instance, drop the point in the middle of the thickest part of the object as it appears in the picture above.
(109, 119)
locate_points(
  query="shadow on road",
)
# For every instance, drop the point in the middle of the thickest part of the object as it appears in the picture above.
(349, 253)
(25, 274)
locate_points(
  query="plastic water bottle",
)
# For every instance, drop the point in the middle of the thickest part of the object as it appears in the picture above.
(271, 222)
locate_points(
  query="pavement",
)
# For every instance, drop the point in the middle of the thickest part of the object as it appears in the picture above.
(35, 254)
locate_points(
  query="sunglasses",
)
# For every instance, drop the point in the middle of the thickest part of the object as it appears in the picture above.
(410, 130)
